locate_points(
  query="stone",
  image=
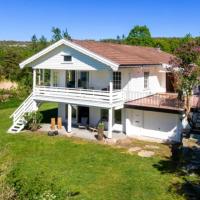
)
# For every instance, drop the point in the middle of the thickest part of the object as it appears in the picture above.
(151, 146)
(144, 153)
(110, 141)
(124, 142)
(134, 149)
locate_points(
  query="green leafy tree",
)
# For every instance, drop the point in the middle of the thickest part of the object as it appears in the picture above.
(186, 68)
(139, 32)
(43, 42)
(140, 35)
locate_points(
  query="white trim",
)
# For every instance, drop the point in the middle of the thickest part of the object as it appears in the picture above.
(106, 61)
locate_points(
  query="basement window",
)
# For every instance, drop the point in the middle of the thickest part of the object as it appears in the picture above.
(67, 58)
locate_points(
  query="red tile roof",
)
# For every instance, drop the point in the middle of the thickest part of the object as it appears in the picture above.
(126, 55)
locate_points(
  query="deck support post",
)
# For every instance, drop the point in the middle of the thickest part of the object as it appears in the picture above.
(111, 86)
(69, 118)
(110, 122)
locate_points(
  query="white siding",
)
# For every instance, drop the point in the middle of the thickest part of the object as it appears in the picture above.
(165, 126)
(55, 60)
(99, 79)
(133, 79)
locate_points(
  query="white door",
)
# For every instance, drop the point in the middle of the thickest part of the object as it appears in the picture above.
(134, 121)
(137, 121)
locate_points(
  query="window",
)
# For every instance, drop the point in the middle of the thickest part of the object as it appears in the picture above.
(116, 80)
(146, 80)
(55, 78)
(47, 77)
(118, 116)
(67, 58)
(70, 79)
(104, 115)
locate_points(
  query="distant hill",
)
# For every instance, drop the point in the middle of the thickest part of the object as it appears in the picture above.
(14, 43)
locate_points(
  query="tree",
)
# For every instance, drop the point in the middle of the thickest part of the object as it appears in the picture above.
(56, 34)
(139, 32)
(186, 68)
(43, 42)
(66, 35)
(34, 42)
(140, 35)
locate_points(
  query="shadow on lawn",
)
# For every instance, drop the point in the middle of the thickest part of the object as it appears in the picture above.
(185, 163)
(48, 114)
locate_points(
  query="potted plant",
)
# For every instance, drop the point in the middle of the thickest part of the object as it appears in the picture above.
(100, 131)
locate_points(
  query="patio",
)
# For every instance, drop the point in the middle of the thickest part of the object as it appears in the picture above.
(81, 133)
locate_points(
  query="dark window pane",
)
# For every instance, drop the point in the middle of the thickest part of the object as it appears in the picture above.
(118, 116)
(67, 58)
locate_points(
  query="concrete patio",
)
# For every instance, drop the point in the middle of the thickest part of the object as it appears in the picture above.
(82, 133)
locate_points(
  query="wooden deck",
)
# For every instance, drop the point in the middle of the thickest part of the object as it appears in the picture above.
(164, 102)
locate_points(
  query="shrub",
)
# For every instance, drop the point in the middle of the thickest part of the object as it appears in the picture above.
(33, 120)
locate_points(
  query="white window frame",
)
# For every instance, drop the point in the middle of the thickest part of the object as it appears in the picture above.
(117, 80)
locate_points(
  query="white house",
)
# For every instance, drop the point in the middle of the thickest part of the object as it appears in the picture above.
(128, 87)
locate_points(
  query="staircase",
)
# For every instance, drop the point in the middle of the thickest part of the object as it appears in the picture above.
(18, 116)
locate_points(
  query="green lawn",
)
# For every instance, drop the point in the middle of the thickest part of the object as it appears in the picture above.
(74, 169)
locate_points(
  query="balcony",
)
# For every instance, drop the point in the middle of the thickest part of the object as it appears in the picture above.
(77, 96)
(168, 102)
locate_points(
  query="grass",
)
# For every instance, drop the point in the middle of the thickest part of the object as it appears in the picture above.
(77, 169)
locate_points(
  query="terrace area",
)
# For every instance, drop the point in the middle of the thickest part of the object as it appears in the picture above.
(165, 102)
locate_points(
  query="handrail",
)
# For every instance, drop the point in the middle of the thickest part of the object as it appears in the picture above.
(22, 104)
(79, 93)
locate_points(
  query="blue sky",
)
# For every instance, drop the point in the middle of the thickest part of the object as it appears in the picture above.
(97, 19)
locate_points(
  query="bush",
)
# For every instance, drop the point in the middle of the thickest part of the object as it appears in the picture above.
(33, 120)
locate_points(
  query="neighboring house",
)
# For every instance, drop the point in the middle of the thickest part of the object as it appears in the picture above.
(128, 87)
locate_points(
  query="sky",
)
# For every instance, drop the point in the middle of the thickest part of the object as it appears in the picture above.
(97, 19)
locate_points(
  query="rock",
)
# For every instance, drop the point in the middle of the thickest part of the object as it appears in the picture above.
(151, 146)
(110, 141)
(144, 153)
(134, 149)
(124, 142)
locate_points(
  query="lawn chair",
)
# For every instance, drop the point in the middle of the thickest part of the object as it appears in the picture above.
(84, 123)
(53, 123)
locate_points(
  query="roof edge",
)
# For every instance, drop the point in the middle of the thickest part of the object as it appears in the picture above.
(73, 45)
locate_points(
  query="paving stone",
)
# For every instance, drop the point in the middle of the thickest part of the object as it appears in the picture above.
(144, 153)
(151, 146)
(134, 149)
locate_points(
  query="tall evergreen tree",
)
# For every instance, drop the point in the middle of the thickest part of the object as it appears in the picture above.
(66, 35)
(34, 42)
(56, 34)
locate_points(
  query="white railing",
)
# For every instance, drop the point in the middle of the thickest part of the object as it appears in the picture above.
(79, 94)
(133, 95)
(26, 106)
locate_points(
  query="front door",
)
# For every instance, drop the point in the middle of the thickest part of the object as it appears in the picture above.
(170, 82)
